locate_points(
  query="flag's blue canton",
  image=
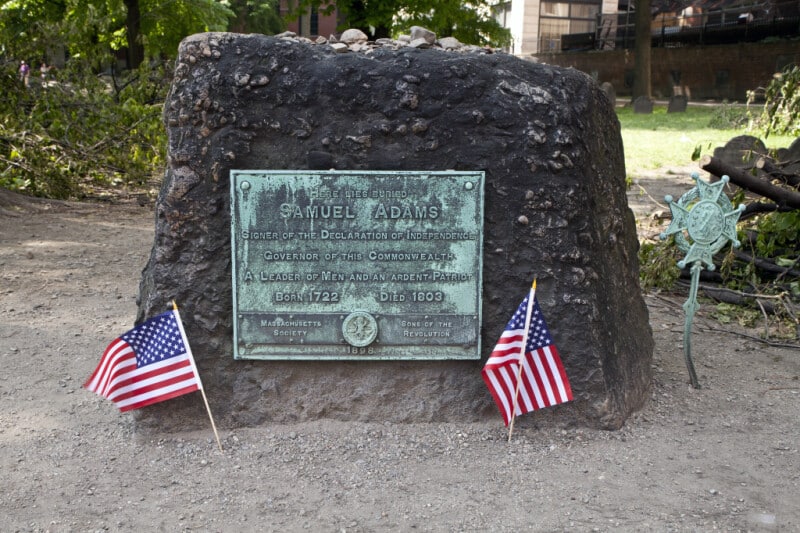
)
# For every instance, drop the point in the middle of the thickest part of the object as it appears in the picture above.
(538, 336)
(155, 340)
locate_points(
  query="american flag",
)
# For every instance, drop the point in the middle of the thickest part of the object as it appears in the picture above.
(149, 364)
(543, 380)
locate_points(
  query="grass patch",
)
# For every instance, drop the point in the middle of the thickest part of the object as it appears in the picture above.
(669, 139)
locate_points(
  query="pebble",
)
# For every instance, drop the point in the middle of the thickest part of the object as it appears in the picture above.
(356, 41)
(418, 32)
(353, 36)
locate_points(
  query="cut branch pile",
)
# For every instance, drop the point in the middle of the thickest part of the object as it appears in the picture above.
(770, 184)
(81, 134)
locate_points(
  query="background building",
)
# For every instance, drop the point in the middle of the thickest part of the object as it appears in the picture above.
(538, 25)
(545, 26)
(310, 24)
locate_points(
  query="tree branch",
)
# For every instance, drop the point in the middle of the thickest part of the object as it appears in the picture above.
(781, 196)
(767, 265)
(755, 208)
(776, 172)
(729, 296)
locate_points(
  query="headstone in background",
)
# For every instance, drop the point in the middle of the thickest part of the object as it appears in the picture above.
(677, 104)
(608, 89)
(643, 105)
(741, 151)
(789, 158)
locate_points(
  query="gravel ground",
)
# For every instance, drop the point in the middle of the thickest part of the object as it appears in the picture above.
(724, 457)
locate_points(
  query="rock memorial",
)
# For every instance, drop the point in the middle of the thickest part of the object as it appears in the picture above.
(555, 208)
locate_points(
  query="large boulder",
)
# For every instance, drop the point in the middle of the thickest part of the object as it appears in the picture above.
(555, 208)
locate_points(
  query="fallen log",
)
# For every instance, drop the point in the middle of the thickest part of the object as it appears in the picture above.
(722, 295)
(770, 304)
(766, 265)
(756, 208)
(709, 276)
(780, 195)
(776, 172)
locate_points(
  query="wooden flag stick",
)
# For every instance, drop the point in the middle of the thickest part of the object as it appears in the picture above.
(528, 312)
(197, 375)
(213, 426)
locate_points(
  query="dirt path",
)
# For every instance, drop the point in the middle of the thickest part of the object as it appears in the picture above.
(724, 457)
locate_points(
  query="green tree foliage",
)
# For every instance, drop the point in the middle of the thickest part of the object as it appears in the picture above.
(30, 27)
(469, 22)
(62, 139)
(81, 128)
(256, 16)
(782, 106)
(165, 24)
(94, 30)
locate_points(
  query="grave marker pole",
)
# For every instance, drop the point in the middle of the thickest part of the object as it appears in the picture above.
(703, 221)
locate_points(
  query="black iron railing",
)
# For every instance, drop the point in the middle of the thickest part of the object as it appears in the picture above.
(716, 27)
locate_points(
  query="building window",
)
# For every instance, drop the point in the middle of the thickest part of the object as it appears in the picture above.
(502, 13)
(555, 9)
(584, 11)
(314, 22)
(560, 18)
(550, 32)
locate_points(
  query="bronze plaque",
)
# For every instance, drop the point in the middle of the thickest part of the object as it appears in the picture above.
(356, 264)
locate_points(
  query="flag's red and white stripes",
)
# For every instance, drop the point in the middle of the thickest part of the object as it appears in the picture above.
(118, 378)
(543, 381)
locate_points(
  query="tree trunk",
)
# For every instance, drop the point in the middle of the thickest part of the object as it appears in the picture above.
(642, 85)
(357, 16)
(135, 54)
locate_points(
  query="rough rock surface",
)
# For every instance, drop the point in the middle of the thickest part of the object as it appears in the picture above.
(556, 208)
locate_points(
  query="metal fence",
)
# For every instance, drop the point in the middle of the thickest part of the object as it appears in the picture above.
(688, 29)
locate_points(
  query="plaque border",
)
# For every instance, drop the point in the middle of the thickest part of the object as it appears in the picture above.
(480, 176)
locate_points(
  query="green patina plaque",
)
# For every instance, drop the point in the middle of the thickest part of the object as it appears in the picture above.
(356, 264)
